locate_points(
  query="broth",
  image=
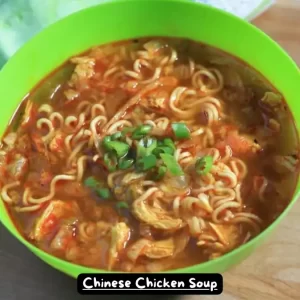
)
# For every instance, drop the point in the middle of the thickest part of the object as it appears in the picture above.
(148, 155)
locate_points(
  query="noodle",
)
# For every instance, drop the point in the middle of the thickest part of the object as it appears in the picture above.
(46, 108)
(51, 131)
(75, 152)
(52, 189)
(57, 116)
(4, 191)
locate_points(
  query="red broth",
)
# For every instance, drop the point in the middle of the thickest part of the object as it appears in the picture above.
(148, 155)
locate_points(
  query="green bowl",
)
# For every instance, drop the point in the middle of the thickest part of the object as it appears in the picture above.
(119, 20)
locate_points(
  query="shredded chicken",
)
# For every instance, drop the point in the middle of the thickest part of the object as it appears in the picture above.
(138, 249)
(120, 234)
(161, 249)
(151, 249)
(71, 94)
(84, 70)
(219, 238)
(157, 102)
(10, 139)
(62, 238)
(49, 220)
(156, 217)
(18, 167)
(103, 228)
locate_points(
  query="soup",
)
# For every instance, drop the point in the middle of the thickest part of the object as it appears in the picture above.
(148, 155)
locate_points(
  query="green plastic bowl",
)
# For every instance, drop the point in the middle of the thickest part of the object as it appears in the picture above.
(121, 20)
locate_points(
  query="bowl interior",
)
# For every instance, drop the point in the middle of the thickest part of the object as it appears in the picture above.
(121, 20)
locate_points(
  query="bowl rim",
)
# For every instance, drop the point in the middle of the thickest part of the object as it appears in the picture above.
(64, 264)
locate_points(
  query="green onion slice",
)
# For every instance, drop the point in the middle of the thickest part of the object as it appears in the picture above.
(103, 193)
(159, 173)
(125, 130)
(122, 204)
(141, 131)
(110, 162)
(146, 146)
(203, 165)
(91, 182)
(117, 135)
(95, 185)
(146, 163)
(181, 131)
(171, 164)
(169, 143)
(120, 148)
(162, 149)
(105, 141)
(125, 163)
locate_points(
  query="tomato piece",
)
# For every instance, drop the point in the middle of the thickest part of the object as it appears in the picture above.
(49, 224)
(239, 144)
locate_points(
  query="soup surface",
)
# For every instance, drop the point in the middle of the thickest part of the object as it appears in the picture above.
(148, 155)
